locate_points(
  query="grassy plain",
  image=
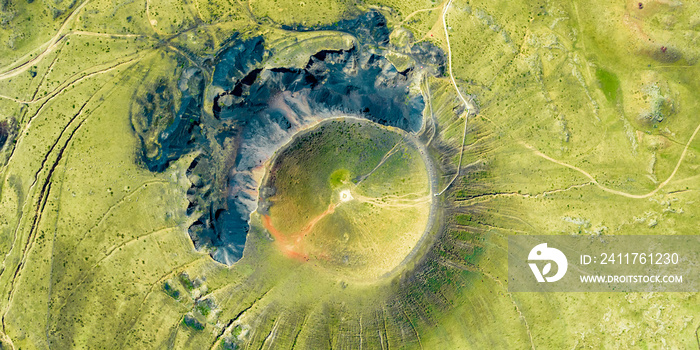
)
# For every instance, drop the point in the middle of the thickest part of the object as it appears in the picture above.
(586, 127)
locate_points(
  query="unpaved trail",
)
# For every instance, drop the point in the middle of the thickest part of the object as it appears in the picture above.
(19, 67)
(381, 162)
(382, 202)
(617, 192)
(410, 15)
(469, 105)
(292, 245)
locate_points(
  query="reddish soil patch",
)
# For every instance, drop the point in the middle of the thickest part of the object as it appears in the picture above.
(292, 246)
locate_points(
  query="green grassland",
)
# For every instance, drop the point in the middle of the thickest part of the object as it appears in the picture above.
(95, 247)
(587, 85)
(370, 234)
(303, 171)
(306, 13)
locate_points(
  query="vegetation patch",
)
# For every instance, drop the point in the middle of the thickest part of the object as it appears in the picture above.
(192, 322)
(609, 83)
(339, 178)
(170, 290)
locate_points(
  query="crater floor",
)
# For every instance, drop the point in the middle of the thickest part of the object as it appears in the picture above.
(351, 197)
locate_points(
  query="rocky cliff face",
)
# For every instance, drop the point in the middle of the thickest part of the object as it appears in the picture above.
(253, 105)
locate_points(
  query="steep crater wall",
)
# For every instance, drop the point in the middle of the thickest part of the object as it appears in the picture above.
(259, 95)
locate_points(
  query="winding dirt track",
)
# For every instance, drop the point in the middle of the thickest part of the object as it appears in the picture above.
(292, 245)
(16, 68)
(617, 192)
(469, 105)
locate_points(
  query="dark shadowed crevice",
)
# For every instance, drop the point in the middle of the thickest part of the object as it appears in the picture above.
(256, 106)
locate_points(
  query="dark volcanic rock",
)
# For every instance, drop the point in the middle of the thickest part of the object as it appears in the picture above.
(261, 107)
(350, 82)
(369, 28)
(4, 133)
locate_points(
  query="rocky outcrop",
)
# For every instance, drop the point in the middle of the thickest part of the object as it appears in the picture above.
(258, 106)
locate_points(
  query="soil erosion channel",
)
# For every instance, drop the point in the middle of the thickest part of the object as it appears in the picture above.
(351, 197)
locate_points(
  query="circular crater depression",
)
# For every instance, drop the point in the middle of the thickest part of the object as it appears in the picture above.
(349, 196)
